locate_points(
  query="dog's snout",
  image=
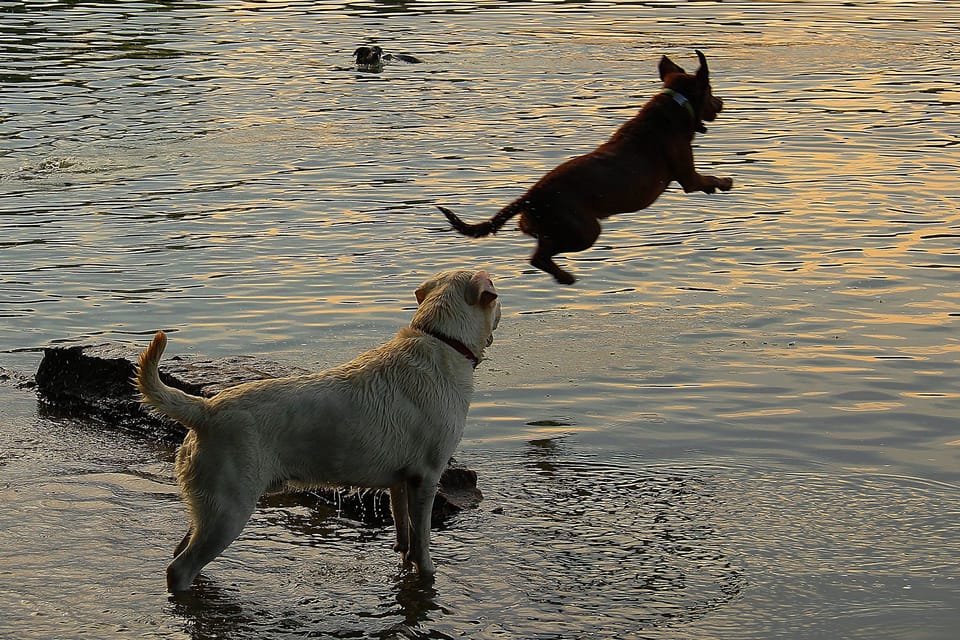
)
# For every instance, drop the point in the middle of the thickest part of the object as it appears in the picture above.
(710, 110)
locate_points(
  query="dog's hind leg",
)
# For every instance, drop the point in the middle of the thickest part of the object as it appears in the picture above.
(542, 259)
(576, 233)
(399, 495)
(210, 535)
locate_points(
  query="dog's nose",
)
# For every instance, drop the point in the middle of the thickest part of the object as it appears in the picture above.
(717, 104)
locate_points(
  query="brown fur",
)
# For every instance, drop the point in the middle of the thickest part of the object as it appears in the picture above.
(626, 173)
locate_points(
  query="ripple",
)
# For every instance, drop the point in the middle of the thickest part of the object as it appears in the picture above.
(223, 171)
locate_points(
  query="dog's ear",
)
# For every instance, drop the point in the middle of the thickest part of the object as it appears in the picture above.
(480, 290)
(703, 73)
(667, 67)
(424, 290)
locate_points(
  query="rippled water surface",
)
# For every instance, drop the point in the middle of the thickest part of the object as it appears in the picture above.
(740, 422)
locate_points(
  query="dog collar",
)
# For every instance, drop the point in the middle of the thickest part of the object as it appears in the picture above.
(681, 100)
(456, 344)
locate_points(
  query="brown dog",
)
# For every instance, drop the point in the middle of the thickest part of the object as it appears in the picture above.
(626, 173)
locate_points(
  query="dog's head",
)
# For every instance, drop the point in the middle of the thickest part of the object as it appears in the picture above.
(694, 87)
(368, 56)
(460, 304)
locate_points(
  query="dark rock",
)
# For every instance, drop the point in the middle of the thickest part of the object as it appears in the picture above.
(456, 491)
(95, 382)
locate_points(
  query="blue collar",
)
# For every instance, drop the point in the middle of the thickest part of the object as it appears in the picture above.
(681, 100)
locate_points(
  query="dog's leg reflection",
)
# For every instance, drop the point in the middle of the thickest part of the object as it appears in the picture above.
(401, 516)
(216, 526)
(418, 602)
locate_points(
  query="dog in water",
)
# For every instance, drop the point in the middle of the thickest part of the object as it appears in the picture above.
(373, 57)
(626, 173)
(390, 418)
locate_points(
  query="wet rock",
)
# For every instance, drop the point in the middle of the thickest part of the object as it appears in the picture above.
(95, 383)
(16, 379)
(456, 491)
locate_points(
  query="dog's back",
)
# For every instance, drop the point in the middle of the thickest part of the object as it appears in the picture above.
(390, 408)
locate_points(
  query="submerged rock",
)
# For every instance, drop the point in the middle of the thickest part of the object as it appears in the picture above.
(94, 382)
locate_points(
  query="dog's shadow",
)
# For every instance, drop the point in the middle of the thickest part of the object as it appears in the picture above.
(212, 611)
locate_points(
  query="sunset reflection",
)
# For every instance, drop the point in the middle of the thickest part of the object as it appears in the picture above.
(741, 421)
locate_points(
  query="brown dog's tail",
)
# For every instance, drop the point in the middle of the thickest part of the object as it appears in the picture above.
(173, 403)
(483, 228)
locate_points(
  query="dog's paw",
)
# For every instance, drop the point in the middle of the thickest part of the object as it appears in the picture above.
(725, 184)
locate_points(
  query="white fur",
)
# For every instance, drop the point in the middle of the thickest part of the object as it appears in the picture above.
(390, 418)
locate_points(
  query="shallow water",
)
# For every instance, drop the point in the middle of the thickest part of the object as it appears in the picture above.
(742, 420)
(565, 545)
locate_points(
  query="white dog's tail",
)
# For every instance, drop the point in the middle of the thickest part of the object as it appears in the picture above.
(173, 403)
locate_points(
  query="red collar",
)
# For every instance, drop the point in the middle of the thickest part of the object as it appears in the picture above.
(453, 342)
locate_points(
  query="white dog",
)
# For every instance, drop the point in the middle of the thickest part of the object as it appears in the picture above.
(391, 419)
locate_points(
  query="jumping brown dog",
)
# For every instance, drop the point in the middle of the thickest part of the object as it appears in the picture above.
(626, 173)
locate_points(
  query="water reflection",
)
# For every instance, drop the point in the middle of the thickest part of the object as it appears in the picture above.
(643, 545)
(564, 545)
(210, 611)
(418, 603)
(219, 169)
(405, 610)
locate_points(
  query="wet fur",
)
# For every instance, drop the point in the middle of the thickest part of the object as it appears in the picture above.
(390, 418)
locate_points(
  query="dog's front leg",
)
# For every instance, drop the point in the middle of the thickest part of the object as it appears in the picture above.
(690, 180)
(399, 497)
(421, 492)
(183, 543)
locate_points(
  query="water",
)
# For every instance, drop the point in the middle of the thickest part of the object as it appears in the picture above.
(741, 422)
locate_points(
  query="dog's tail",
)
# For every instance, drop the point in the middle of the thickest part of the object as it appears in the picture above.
(484, 228)
(173, 403)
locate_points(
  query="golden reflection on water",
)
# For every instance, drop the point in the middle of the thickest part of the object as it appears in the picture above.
(260, 196)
